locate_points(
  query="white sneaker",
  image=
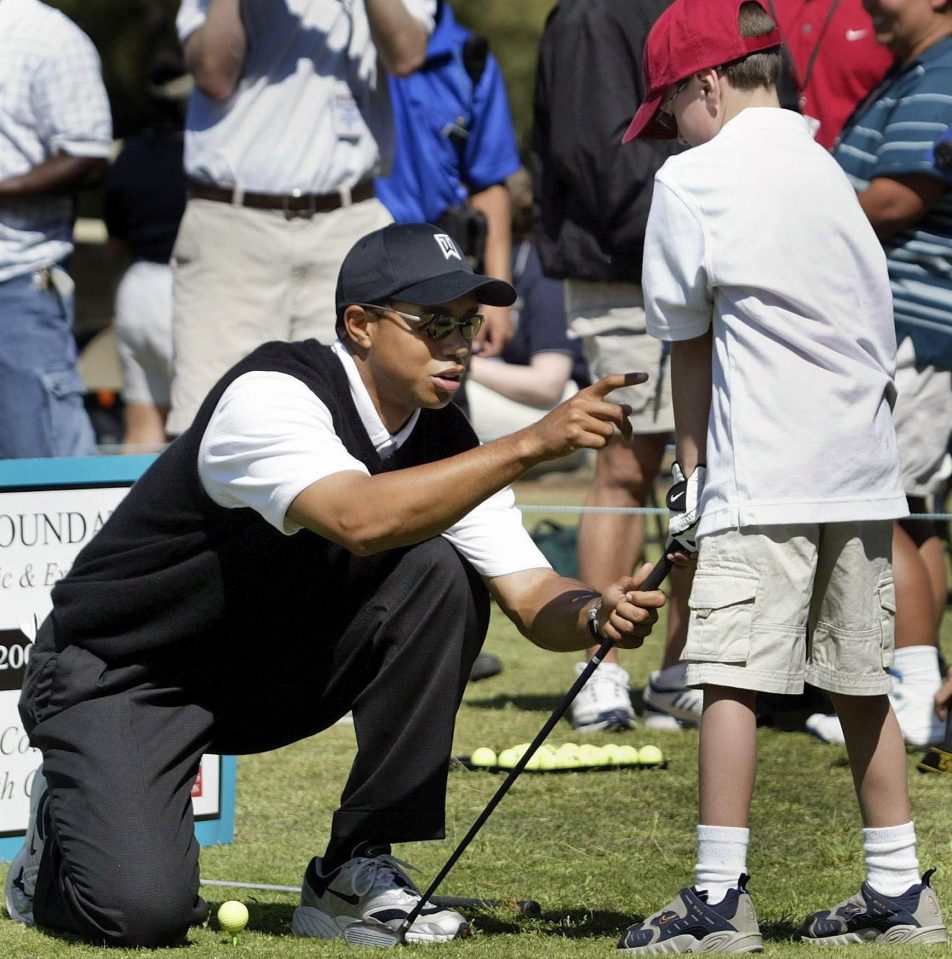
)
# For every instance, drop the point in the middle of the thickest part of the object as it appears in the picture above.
(374, 888)
(668, 694)
(826, 727)
(914, 706)
(604, 701)
(914, 709)
(20, 886)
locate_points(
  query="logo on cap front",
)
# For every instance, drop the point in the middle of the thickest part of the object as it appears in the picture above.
(447, 246)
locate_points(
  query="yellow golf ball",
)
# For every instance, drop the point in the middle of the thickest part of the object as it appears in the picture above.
(232, 916)
(483, 756)
(650, 756)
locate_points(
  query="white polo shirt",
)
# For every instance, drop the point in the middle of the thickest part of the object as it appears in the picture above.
(270, 438)
(311, 111)
(759, 232)
(52, 100)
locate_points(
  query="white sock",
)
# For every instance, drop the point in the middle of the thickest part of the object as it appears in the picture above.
(673, 677)
(721, 858)
(918, 668)
(891, 862)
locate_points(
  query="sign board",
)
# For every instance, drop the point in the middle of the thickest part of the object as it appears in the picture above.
(49, 509)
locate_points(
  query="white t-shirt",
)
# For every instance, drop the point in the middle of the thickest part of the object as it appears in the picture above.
(311, 111)
(759, 232)
(52, 100)
(270, 438)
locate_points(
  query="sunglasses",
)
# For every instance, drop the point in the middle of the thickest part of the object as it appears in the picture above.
(665, 116)
(434, 326)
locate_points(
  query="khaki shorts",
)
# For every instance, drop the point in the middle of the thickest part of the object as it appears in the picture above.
(609, 318)
(773, 607)
(244, 276)
(923, 418)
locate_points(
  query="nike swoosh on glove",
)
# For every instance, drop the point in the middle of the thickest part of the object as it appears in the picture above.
(683, 501)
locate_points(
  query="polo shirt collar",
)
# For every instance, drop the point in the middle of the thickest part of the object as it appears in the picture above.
(385, 442)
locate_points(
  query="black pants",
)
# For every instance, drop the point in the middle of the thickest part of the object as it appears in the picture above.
(121, 743)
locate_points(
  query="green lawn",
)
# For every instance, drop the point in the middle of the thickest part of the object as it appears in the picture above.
(597, 850)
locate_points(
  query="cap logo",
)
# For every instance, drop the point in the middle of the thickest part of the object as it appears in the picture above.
(447, 246)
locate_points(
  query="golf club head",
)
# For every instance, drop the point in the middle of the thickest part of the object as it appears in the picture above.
(374, 935)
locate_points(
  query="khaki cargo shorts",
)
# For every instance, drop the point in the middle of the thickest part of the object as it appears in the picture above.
(773, 607)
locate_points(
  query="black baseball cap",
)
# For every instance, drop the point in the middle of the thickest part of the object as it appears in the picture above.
(417, 263)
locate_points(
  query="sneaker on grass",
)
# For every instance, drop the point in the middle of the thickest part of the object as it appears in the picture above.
(369, 888)
(604, 702)
(667, 694)
(21, 878)
(912, 917)
(689, 924)
(914, 708)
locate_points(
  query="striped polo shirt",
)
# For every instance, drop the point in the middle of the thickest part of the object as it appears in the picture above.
(892, 135)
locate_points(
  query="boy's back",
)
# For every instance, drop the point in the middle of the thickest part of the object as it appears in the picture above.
(801, 427)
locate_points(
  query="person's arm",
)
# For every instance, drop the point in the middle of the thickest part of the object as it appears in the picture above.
(496, 205)
(215, 52)
(552, 610)
(400, 37)
(368, 514)
(61, 173)
(892, 204)
(539, 384)
(691, 385)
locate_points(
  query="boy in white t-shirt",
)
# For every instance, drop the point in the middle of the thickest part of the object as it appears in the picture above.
(762, 271)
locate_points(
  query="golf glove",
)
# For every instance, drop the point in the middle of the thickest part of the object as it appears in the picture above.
(684, 500)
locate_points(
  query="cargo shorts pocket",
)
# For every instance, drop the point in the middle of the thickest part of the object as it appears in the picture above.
(722, 613)
(887, 620)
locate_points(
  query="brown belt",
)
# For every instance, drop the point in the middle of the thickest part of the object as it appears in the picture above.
(294, 204)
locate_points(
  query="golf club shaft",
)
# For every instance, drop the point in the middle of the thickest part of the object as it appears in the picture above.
(528, 906)
(947, 744)
(653, 581)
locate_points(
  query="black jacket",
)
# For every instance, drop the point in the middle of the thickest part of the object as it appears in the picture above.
(592, 194)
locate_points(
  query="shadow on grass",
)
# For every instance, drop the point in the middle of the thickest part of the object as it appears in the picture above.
(531, 704)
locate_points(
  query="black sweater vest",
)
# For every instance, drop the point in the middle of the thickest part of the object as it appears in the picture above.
(170, 566)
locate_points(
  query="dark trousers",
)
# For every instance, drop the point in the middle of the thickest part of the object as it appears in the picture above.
(122, 742)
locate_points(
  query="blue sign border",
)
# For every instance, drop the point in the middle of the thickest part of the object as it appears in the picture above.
(85, 471)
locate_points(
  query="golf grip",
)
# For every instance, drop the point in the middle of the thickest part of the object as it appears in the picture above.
(654, 579)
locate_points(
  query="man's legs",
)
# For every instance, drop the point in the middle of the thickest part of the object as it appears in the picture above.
(120, 755)
(41, 392)
(609, 317)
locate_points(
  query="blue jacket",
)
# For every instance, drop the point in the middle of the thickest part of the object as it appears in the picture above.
(453, 138)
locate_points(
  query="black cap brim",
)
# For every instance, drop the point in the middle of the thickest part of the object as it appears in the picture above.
(450, 286)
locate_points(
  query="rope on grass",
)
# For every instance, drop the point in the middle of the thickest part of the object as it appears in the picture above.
(660, 511)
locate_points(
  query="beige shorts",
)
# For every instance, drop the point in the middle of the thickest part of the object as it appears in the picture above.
(609, 318)
(773, 607)
(923, 418)
(244, 276)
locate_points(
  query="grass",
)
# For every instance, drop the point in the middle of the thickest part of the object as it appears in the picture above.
(597, 850)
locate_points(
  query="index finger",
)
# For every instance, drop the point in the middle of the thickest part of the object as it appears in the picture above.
(615, 381)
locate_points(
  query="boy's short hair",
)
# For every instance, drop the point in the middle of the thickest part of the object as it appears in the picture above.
(693, 35)
(760, 69)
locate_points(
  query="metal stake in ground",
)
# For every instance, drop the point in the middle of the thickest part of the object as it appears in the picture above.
(376, 934)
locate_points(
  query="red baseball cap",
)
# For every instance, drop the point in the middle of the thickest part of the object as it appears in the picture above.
(690, 35)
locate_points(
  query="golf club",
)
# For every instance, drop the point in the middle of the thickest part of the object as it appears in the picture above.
(527, 907)
(376, 934)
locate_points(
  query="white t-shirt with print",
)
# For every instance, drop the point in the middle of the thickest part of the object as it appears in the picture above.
(270, 438)
(759, 232)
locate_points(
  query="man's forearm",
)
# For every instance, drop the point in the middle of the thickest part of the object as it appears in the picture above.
(59, 174)
(215, 52)
(400, 38)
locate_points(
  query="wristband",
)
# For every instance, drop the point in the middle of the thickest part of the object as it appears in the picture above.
(593, 621)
